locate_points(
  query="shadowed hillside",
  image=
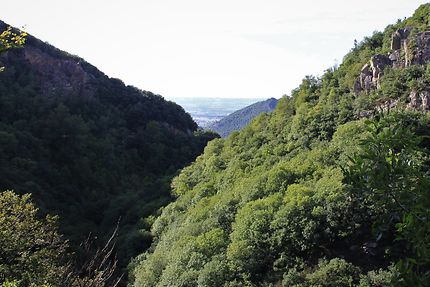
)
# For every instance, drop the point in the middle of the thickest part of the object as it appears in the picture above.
(86, 146)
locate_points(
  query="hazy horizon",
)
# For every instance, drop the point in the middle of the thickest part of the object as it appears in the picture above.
(192, 48)
(205, 111)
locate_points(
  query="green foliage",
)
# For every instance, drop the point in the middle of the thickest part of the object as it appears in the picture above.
(311, 182)
(391, 173)
(10, 39)
(8, 283)
(31, 250)
(421, 18)
(334, 273)
(89, 148)
(214, 273)
(275, 210)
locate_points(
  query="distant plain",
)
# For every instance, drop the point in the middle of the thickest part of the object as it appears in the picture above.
(208, 110)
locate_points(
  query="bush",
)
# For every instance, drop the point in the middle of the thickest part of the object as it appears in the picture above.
(31, 250)
(334, 273)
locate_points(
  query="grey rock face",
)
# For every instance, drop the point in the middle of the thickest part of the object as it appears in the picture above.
(419, 100)
(399, 46)
(421, 49)
(377, 64)
(371, 74)
(416, 50)
(398, 38)
(406, 50)
(381, 107)
(365, 79)
(387, 105)
(66, 76)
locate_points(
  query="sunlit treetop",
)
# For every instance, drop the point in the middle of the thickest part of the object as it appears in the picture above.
(9, 40)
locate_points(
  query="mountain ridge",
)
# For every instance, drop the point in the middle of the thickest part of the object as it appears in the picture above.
(240, 118)
(87, 147)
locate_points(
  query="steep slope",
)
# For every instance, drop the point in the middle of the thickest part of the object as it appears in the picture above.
(313, 194)
(87, 147)
(239, 119)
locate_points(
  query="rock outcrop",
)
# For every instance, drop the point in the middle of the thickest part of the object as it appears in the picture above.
(399, 47)
(381, 107)
(66, 75)
(421, 49)
(419, 100)
(378, 64)
(365, 80)
(406, 49)
(371, 73)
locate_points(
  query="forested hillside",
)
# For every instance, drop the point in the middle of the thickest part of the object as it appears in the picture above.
(331, 189)
(87, 147)
(239, 119)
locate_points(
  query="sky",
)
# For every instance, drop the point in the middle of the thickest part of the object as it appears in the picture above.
(200, 48)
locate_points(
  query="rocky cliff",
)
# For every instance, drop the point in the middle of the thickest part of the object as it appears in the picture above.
(407, 48)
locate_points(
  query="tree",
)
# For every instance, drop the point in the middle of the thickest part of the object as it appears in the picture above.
(31, 249)
(391, 174)
(10, 39)
(33, 253)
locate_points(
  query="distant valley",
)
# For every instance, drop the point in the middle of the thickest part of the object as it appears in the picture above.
(106, 185)
(205, 111)
(241, 118)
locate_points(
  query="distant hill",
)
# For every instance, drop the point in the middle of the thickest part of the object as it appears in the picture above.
(239, 119)
(206, 111)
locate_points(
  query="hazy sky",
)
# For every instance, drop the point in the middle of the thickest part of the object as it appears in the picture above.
(199, 48)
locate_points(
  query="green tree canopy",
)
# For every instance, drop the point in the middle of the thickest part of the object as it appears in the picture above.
(31, 249)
